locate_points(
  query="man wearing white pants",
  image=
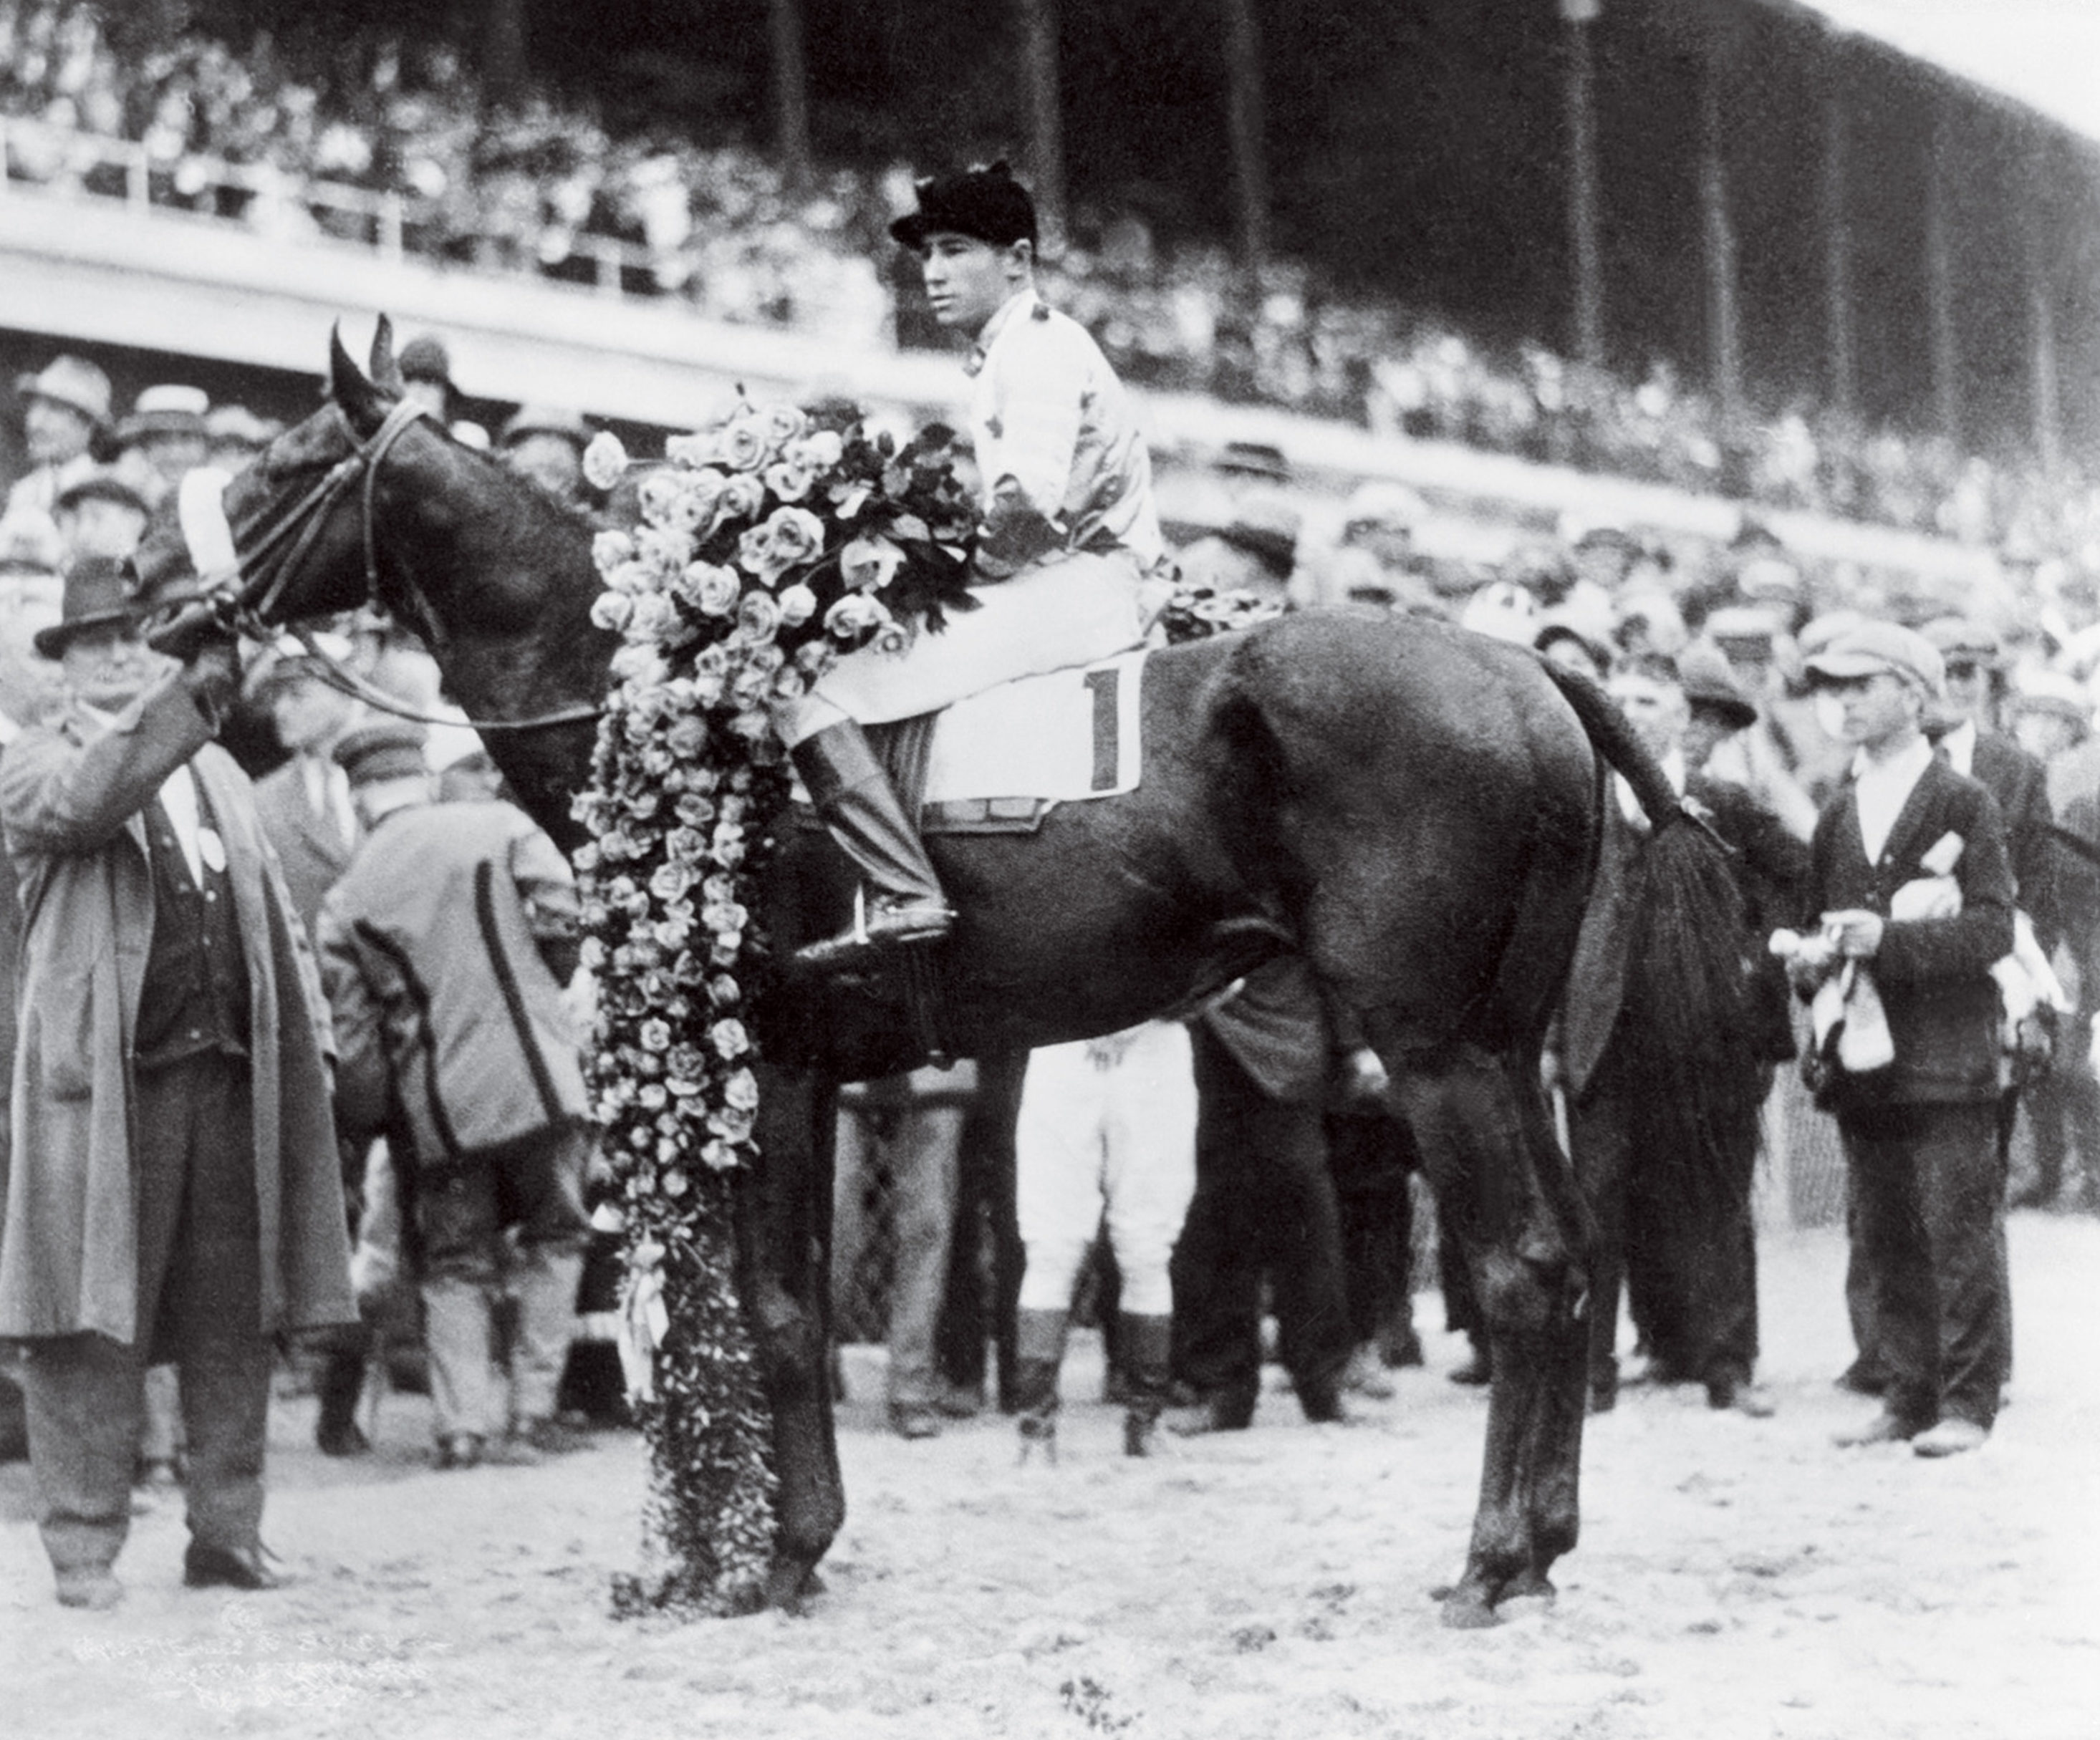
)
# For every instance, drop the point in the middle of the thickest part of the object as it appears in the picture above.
(1108, 1125)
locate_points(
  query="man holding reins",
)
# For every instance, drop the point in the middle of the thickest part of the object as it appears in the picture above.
(1068, 533)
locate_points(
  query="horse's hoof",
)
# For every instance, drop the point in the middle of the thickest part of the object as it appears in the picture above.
(790, 1586)
(1469, 1611)
(1530, 1585)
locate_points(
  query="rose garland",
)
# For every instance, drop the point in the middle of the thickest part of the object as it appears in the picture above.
(1196, 610)
(765, 547)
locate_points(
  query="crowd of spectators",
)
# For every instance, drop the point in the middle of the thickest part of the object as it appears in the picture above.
(542, 188)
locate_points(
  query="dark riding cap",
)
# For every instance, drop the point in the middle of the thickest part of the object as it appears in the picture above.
(385, 749)
(989, 205)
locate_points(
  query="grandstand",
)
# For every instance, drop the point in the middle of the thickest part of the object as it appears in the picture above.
(1714, 255)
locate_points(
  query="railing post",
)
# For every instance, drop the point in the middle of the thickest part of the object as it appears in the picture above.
(606, 253)
(137, 171)
(4, 154)
(390, 225)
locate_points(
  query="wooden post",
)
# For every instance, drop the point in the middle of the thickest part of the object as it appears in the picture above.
(1584, 231)
(1244, 122)
(791, 91)
(2036, 230)
(1724, 326)
(1042, 103)
(1841, 344)
(1940, 283)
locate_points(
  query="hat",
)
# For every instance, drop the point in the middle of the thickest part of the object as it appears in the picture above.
(1254, 459)
(103, 483)
(545, 419)
(1709, 682)
(290, 657)
(1825, 629)
(72, 381)
(1741, 622)
(2055, 695)
(1873, 647)
(1957, 638)
(1578, 528)
(1589, 628)
(164, 410)
(30, 543)
(424, 357)
(385, 749)
(1267, 528)
(98, 591)
(232, 424)
(1391, 507)
(987, 204)
(1770, 580)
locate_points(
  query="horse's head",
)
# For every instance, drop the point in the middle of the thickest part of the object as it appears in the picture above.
(303, 518)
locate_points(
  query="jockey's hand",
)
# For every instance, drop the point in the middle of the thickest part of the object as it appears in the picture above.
(211, 662)
(1365, 1075)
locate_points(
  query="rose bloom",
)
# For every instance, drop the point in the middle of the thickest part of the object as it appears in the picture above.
(755, 555)
(670, 881)
(798, 604)
(655, 1036)
(783, 423)
(653, 618)
(729, 1038)
(746, 445)
(852, 616)
(713, 590)
(609, 610)
(787, 480)
(797, 535)
(664, 550)
(605, 460)
(818, 450)
(741, 1091)
(757, 618)
(741, 497)
(789, 684)
(609, 549)
(723, 991)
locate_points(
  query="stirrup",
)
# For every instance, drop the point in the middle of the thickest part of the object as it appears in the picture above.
(874, 930)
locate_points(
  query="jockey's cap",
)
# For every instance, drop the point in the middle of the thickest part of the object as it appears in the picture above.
(988, 205)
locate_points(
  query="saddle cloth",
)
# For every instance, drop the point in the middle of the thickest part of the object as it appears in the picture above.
(999, 760)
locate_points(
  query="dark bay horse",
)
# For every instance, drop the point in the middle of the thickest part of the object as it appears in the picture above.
(1412, 808)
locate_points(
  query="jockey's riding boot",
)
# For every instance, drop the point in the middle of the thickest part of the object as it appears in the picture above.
(853, 796)
(1144, 1341)
(1038, 1355)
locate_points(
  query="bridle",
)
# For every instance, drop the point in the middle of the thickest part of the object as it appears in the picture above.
(271, 547)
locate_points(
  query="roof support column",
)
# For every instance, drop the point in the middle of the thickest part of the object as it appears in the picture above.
(1724, 342)
(1585, 235)
(1939, 284)
(1043, 103)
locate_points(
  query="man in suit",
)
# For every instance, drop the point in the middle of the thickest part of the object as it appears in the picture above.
(174, 1189)
(1687, 1256)
(305, 803)
(1920, 1132)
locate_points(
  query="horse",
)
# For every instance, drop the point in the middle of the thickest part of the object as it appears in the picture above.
(1413, 808)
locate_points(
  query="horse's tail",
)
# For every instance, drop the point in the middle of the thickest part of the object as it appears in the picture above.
(1686, 988)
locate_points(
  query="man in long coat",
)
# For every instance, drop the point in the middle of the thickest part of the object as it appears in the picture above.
(174, 1191)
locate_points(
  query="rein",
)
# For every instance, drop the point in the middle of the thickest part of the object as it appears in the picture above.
(269, 564)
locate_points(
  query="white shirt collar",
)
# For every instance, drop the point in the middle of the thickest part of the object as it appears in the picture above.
(1882, 789)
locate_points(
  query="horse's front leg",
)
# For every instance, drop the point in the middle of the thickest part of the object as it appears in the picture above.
(784, 1224)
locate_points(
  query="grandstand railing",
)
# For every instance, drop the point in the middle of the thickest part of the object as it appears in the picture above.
(79, 166)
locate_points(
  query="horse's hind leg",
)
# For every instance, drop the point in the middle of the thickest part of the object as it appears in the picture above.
(785, 1235)
(1482, 1130)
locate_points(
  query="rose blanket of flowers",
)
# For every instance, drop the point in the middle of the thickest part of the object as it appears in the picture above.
(767, 544)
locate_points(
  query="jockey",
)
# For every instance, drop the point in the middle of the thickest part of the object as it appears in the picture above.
(1067, 535)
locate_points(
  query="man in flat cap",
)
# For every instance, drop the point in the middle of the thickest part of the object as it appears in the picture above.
(445, 948)
(64, 406)
(1910, 881)
(546, 443)
(100, 512)
(174, 1189)
(1069, 532)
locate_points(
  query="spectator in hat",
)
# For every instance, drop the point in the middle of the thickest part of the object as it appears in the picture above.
(1580, 639)
(163, 440)
(546, 443)
(1919, 1131)
(1602, 549)
(445, 948)
(1257, 552)
(237, 436)
(1374, 561)
(100, 513)
(1757, 758)
(174, 1187)
(1716, 706)
(2051, 716)
(425, 367)
(305, 803)
(65, 405)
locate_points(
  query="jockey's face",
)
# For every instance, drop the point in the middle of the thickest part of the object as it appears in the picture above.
(968, 281)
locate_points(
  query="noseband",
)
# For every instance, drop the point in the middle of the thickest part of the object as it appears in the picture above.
(271, 548)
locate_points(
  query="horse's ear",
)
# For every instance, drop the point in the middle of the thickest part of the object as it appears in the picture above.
(359, 398)
(385, 372)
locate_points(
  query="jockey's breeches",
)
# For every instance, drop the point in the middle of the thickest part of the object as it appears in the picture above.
(1072, 611)
(1114, 1141)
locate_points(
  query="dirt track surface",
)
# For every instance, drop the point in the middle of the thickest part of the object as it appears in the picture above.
(1735, 1578)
